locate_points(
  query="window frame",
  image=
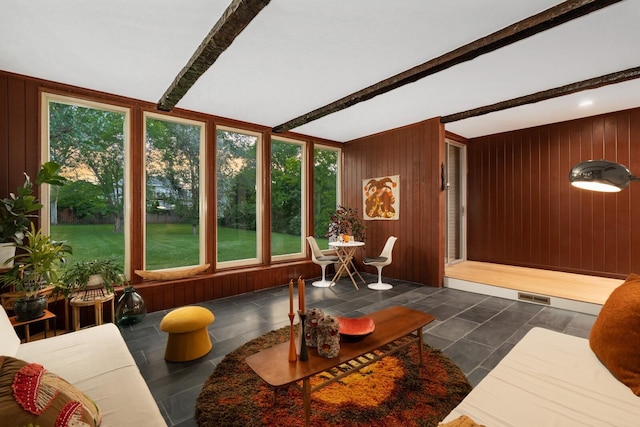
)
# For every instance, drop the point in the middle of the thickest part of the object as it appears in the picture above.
(46, 98)
(338, 150)
(304, 200)
(202, 199)
(260, 204)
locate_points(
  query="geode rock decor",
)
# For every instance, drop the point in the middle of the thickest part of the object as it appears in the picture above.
(311, 326)
(328, 337)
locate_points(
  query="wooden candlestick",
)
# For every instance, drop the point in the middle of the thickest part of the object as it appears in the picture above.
(290, 296)
(301, 304)
(292, 340)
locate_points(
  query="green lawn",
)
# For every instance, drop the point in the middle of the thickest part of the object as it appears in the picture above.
(171, 245)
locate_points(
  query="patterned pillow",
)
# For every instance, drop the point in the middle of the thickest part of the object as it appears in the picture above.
(31, 395)
(616, 333)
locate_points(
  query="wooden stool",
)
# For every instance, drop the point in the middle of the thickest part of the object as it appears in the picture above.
(188, 335)
(96, 301)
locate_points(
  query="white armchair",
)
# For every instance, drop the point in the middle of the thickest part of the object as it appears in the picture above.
(322, 260)
(379, 262)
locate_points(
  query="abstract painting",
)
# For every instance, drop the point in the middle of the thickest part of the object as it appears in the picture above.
(381, 198)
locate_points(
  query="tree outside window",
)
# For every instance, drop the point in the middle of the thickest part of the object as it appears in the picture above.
(172, 166)
(238, 191)
(287, 197)
(325, 191)
(88, 141)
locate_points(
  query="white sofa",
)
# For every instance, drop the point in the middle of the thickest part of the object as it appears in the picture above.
(550, 379)
(97, 362)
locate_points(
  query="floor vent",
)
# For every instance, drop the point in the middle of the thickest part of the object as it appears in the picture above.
(534, 298)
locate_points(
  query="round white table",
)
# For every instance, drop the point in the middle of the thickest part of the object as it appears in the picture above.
(345, 251)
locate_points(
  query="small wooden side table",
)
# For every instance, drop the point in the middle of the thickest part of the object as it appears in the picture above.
(96, 301)
(8, 298)
(45, 318)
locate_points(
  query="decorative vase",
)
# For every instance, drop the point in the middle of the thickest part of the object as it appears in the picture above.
(311, 326)
(94, 287)
(328, 337)
(29, 308)
(131, 307)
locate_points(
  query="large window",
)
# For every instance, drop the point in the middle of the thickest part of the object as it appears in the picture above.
(287, 198)
(239, 196)
(173, 192)
(88, 140)
(92, 212)
(326, 194)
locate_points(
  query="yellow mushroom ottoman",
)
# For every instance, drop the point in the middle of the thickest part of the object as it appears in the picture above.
(188, 335)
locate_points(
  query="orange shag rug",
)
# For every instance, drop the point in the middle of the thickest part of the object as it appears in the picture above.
(395, 391)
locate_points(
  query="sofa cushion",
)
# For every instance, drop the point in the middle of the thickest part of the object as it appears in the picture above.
(615, 334)
(9, 340)
(31, 395)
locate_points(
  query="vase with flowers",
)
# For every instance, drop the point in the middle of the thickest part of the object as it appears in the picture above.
(345, 221)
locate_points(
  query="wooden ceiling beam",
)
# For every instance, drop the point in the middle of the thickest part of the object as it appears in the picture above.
(552, 17)
(234, 19)
(594, 83)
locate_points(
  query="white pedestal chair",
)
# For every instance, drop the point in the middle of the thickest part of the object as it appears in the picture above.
(322, 260)
(379, 262)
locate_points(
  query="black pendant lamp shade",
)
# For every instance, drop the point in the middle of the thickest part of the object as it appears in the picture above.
(600, 175)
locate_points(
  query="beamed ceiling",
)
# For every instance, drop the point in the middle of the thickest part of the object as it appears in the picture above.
(340, 69)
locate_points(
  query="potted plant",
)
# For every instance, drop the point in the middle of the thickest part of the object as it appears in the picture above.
(345, 220)
(35, 267)
(92, 276)
(19, 209)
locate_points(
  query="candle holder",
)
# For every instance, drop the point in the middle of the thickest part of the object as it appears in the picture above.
(304, 355)
(292, 338)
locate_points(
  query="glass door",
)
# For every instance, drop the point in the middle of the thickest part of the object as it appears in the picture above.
(455, 218)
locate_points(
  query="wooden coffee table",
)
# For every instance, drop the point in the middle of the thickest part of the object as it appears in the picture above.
(396, 328)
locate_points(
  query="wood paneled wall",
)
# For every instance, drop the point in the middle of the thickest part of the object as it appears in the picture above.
(415, 153)
(20, 152)
(18, 125)
(523, 211)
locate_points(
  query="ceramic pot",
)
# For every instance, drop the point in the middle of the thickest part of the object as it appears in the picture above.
(95, 282)
(30, 308)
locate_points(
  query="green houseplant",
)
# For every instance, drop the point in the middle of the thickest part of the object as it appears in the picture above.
(19, 209)
(345, 220)
(36, 266)
(97, 274)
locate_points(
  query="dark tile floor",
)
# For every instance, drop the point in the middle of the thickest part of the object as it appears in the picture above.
(474, 330)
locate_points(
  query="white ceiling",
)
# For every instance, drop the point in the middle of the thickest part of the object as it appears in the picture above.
(299, 55)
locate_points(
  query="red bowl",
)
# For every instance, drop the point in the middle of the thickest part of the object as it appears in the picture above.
(355, 328)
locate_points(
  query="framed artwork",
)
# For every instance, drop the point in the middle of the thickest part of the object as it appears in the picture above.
(381, 198)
